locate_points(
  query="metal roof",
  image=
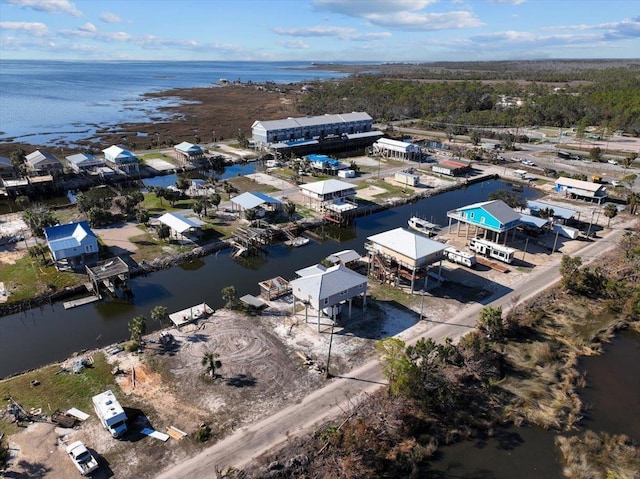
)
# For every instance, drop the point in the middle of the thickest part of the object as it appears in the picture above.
(397, 145)
(407, 243)
(187, 147)
(251, 200)
(558, 211)
(327, 186)
(327, 283)
(67, 236)
(38, 157)
(533, 220)
(344, 256)
(289, 123)
(579, 184)
(496, 208)
(179, 223)
(363, 134)
(119, 155)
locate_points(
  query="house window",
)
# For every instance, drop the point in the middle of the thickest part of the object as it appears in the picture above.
(326, 301)
(482, 220)
(343, 293)
(471, 215)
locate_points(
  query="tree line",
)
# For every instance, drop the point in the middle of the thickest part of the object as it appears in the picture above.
(610, 99)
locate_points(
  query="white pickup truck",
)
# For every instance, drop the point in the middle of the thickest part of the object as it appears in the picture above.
(82, 458)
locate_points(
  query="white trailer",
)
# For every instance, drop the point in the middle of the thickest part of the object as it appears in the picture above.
(566, 231)
(460, 257)
(491, 249)
(110, 412)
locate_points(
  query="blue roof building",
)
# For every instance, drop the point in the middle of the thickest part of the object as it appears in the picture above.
(491, 216)
(72, 245)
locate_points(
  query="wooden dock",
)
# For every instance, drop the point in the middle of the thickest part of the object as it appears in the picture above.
(185, 316)
(80, 301)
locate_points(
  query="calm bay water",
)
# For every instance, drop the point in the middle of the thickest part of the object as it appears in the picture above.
(47, 102)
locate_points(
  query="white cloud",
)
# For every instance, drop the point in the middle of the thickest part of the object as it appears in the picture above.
(425, 21)
(317, 31)
(109, 17)
(88, 27)
(294, 44)
(32, 28)
(365, 8)
(366, 37)
(49, 6)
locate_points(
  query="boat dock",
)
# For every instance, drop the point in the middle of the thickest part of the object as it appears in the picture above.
(80, 301)
(185, 316)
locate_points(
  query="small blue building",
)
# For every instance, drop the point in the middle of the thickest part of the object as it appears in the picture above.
(493, 217)
(72, 245)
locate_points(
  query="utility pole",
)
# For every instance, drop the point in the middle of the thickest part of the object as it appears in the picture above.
(555, 242)
(333, 322)
(526, 243)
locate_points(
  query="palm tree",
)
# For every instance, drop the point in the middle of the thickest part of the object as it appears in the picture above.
(137, 327)
(211, 363)
(610, 211)
(160, 314)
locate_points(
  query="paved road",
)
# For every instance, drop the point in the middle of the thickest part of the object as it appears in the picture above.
(243, 446)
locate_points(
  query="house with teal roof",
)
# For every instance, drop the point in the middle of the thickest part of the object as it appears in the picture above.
(493, 218)
(72, 245)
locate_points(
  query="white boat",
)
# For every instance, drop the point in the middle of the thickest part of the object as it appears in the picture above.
(298, 241)
(423, 226)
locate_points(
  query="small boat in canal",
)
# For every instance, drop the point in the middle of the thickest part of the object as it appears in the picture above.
(423, 226)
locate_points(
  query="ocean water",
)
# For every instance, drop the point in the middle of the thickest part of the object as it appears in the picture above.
(56, 102)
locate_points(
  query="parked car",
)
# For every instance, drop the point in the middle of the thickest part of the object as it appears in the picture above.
(527, 162)
(612, 162)
(615, 183)
(82, 458)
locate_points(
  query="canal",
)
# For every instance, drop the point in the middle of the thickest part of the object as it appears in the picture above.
(50, 333)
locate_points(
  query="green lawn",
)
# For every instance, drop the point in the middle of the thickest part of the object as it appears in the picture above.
(57, 389)
(28, 278)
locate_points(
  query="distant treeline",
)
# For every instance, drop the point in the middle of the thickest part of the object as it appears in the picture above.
(605, 97)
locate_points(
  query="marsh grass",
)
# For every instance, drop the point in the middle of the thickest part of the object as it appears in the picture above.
(599, 456)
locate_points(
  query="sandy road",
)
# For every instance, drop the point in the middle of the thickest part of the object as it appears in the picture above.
(240, 448)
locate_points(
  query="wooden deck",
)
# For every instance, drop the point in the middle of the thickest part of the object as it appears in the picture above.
(185, 316)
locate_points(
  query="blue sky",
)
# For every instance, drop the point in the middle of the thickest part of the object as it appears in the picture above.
(319, 30)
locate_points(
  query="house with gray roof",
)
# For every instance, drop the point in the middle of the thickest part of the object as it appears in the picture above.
(84, 162)
(72, 245)
(491, 217)
(43, 163)
(327, 289)
(321, 194)
(578, 189)
(181, 227)
(400, 254)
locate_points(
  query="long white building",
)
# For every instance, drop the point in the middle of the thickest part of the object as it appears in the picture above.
(266, 133)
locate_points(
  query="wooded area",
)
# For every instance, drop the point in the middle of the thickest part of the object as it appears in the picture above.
(473, 95)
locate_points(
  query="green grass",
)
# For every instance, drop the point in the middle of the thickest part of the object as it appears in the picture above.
(162, 156)
(28, 278)
(56, 389)
(244, 184)
(392, 191)
(156, 205)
